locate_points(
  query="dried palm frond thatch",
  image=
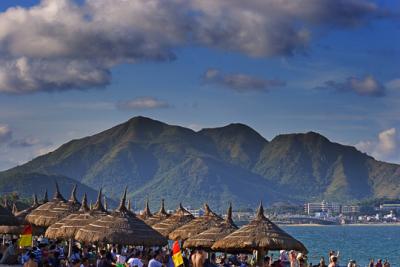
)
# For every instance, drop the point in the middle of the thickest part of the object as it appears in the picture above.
(54, 210)
(196, 226)
(176, 220)
(67, 228)
(7, 218)
(19, 229)
(120, 227)
(206, 239)
(260, 234)
(21, 215)
(158, 216)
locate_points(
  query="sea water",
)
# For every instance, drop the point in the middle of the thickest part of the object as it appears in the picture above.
(360, 243)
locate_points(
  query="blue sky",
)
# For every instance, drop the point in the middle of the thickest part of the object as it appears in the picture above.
(72, 69)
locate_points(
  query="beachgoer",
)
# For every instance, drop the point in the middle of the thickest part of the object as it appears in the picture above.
(283, 256)
(31, 261)
(156, 259)
(301, 260)
(198, 258)
(267, 261)
(379, 263)
(371, 263)
(9, 254)
(292, 258)
(386, 263)
(136, 260)
(104, 261)
(213, 261)
(322, 263)
(333, 261)
(85, 262)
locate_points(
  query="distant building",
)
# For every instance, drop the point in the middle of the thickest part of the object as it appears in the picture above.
(312, 208)
(390, 207)
(242, 215)
(346, 209)
(196, 212)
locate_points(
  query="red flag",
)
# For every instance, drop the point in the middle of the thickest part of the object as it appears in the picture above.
(25, 239)
(176, 254)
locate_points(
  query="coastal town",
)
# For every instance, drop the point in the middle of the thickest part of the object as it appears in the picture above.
(322, 213)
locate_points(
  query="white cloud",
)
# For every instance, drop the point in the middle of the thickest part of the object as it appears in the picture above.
(386, 147)
(366, 86)
(60, 44)
(142, 103)
(5, 133)
(240, 82)
(393, 84)
(24, 142)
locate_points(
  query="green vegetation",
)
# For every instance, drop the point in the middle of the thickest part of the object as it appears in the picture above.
(231, 163)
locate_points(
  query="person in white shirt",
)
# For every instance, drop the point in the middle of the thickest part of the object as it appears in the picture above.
(136, 260)
(156, 260)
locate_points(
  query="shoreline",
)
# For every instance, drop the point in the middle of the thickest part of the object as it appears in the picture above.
(353, 224)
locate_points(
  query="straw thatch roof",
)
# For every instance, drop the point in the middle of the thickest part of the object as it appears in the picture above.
(21, 215)
(54, 210)
(158, 216)
(206, 239)
(196, 226)
(67, 228)
(176, 220)
(260, 233)
(120, 227)
(7, 218)
(19, 229)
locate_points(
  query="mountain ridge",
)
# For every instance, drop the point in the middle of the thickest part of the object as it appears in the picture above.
(217, 165)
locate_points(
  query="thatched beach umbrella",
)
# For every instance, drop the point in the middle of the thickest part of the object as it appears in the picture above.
(7, 218)
(69, 226)
(18, 229)
(52, 230)
(158, 216)
(120, 227)
(21, 215)
(176, 220)
(196, 226)
(206, 239)
(54, 210)
(260, 234)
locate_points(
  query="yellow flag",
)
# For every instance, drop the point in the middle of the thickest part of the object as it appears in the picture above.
(176, 254)
(25, 240)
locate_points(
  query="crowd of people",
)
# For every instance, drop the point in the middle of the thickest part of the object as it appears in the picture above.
(47, 253)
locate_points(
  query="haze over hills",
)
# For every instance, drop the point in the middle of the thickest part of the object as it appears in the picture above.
(217, 165)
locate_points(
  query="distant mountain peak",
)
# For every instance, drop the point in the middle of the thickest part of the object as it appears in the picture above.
(232, 162)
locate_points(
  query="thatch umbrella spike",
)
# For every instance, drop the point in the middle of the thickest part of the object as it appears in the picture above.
(57, 194)
(98, 206)
(122, 204)
(162, 208)
(73, 198)
(35, 201)
(229, 214)
(14, 209)
(84, 205)
(45, 197)
(260, 211)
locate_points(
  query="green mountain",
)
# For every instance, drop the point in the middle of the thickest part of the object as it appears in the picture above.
(218, 165)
